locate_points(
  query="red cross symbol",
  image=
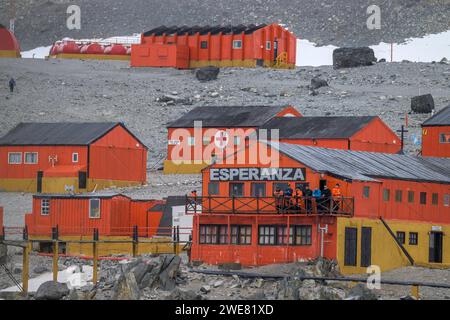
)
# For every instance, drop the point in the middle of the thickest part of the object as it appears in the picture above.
(221, 139)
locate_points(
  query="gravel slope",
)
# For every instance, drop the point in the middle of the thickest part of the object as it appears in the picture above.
(342, 23)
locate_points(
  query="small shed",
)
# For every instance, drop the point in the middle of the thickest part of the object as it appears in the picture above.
(436, 135)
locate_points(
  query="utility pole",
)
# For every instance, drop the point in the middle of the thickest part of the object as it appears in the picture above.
(12, 15)
(402, 137)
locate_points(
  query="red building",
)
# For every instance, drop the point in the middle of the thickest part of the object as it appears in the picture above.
(364, 133)
(436, 135)
(238, 218)
(70, 157)
(222, 46)
(220, 131)
(9, 46)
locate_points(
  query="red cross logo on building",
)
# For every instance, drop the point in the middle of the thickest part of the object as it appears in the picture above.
(221, 139)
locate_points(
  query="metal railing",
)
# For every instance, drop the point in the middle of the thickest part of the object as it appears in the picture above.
(335, 206)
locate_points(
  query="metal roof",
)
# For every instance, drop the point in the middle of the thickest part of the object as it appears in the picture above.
(228, 29)
(442, 118)
(317, 127)
(368, 166)
(58, 134)
(223, 116)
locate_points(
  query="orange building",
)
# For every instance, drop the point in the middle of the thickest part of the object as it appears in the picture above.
(70, 157)
(219, 132)
(9, 46)
(364, 133)
(222, 46)
(391, 210)
(436, 135)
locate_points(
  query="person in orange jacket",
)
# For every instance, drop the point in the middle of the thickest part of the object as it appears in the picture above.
(337, 197)
(298, 197)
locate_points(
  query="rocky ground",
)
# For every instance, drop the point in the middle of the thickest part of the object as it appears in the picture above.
(169, 277)
(341, 23)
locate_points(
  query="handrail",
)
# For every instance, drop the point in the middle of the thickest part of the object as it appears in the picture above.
(332, 206)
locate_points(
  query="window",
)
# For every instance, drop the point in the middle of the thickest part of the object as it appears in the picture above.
(268, 45)
(411, 196)
(423, 198)
(401, 237)
(213, 234)
(366, 192)
(236, 189)
(303, 235)
(434, 199)
(94, 208)
(258, 189)
(237, 44)
(444, 138)
(213, 188)
(31, 157)
(15, 158)
(75, 157)
(281, 186)
(446, 200)
(191, 141)
(386, 195)
(206, 140)
(204, 44)
(282, 235)
(241, 235)
(45, 207)
(398, 195)
(267, 235)
(237, 140)
(413, 238)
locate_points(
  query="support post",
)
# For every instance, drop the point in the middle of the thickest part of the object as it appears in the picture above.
(135, 241)
(55, 253)
(174, 240)
(415, 291)
(25, 269)
(95, 254)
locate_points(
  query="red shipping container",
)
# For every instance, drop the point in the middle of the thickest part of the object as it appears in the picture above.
(160, 55)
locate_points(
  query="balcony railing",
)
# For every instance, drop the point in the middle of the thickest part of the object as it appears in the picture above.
(336, 206)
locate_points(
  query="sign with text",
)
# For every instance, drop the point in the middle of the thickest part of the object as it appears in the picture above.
(257, 174)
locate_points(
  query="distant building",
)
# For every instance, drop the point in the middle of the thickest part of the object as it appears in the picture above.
(9, 46)
(436, 135)
(222, 128)
(363, 133)
(70, 157)
(222, 46)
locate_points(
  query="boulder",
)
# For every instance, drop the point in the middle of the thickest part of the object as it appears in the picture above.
(126, 288)
(361, 292)
(40, 269)
(3, 254)
(207, 73)
(51, 290)
(353, 57)
(178, 294)
(205, 289)
(317, 83)
(422, 104)
(170, 265)
(141, 270)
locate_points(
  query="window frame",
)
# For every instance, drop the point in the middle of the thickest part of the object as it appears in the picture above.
(401, 236)
(435, 199)
(204, 44)
(45, 209)
(216, 184)
(230, 189)
(16, 153)
(386, 195)
(252, 189)
(446, 200)
(423, 201)
(399, 196)
(441, 140)
(411, 196)
(269, 235)
(235, 42)
(413, 239)
(236, 234)
(366, 192)
(237, 140)
(99, 208)
(75, 154)
(28, 153)
(268, 45)
(308, 235)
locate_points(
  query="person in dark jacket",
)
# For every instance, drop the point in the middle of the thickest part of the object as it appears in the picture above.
(308, 198)
(12, 84)
(326, 199)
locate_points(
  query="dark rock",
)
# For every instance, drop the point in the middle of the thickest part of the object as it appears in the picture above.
(422, 104)
(51, 290)
(317, 83)
(205, 289)
(382, 60)
(258, 295)
(230, 266)
(353, 57)
(207, 73)
(141, 270)
(126, 288)
(326, 267)
(3, 254)
(178, 294)
(40, 269)
(408, 297)
(168, 271)
(361, 292)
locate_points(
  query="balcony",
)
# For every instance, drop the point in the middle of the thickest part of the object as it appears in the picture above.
(310, 206)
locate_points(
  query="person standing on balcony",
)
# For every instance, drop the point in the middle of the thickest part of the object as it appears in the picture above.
(326, 199)
(288, 197)
(298, 199)
(337, 197)
(278, 194)
(308, 199)
(317, 195)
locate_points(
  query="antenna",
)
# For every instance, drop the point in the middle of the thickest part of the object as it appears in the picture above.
(12, 15)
